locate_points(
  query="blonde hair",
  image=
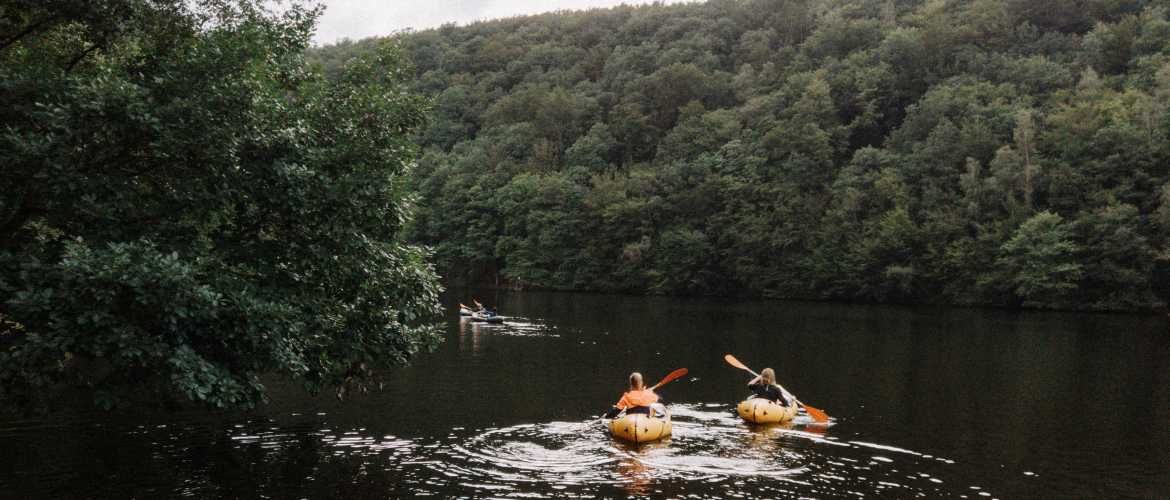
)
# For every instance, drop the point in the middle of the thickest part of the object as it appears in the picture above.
(768, 377)
(636, 382)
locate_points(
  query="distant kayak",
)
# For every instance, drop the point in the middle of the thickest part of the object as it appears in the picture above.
(478, 313)
(485, 318)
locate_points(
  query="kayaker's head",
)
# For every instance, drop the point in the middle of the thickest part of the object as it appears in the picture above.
(636, 382)
(767, 377)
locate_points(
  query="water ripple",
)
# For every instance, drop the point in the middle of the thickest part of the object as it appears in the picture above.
(512, 326)
(711, 450)
(711, 454)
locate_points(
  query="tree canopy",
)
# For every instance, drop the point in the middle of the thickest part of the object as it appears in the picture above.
(185, 206)
(972, 152)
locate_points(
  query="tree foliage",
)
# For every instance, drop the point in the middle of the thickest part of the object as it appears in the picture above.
(184, 206)
(982, 152)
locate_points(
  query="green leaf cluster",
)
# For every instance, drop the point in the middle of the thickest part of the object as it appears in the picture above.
(185, 206)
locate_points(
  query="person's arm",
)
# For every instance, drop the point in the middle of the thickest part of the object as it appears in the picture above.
(760, 390)
(787, 396)
(622, 404)
(777, 395)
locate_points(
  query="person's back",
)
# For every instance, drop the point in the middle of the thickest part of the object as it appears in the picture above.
(637, 400)
(765, 387)
(643, 397)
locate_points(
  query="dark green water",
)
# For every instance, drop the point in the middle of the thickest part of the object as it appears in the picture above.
(926, 403)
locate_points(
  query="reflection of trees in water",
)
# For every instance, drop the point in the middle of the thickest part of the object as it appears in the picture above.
(261, 459)
(305, 459)
(91, 459)
(257, 457)
(915, 391)
(66, 458)
(473, 332)
(206, 460)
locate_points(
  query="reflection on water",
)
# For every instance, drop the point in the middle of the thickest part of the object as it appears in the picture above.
(712, 454)
(990, 408)
(635, 476)
(474, 335)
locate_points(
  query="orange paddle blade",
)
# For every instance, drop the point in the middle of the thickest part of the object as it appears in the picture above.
(816, 414)
(677, 373)
(735, 362)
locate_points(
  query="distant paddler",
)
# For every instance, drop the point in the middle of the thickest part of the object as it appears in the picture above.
(477, 310)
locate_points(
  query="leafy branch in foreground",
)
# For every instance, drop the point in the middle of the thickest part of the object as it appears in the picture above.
(184, 206)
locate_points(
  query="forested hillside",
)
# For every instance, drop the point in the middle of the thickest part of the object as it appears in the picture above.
(983, 152)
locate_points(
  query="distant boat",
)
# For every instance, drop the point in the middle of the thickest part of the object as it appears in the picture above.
(486, 318)
(480, 313)
(468, 311)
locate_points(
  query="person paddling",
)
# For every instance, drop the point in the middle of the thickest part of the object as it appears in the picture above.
(764, 385)
(637, 400)
(486, 312)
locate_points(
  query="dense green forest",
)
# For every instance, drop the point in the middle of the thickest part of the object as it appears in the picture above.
(972, 152)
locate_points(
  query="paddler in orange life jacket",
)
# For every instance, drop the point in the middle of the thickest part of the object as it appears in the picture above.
(637, 400)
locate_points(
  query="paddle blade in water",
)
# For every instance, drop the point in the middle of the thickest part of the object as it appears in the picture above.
(816, 414)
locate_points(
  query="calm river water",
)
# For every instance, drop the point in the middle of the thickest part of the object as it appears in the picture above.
(925, 403)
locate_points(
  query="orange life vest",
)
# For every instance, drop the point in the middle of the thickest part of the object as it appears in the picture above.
(643, 397)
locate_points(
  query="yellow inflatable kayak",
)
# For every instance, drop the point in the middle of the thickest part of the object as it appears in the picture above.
(763, 411)
(639, 427)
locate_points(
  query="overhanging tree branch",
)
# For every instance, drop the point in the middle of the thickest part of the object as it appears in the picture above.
(16, 38)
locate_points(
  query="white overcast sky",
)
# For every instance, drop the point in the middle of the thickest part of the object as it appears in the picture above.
(358, 19)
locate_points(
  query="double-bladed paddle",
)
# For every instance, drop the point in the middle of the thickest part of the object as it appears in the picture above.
(816, 414)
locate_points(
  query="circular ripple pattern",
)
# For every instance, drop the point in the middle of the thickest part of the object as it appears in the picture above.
(712, 454)
(712, 451)
(540, 451)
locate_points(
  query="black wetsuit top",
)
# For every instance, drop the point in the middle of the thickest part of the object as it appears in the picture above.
(771, 392)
